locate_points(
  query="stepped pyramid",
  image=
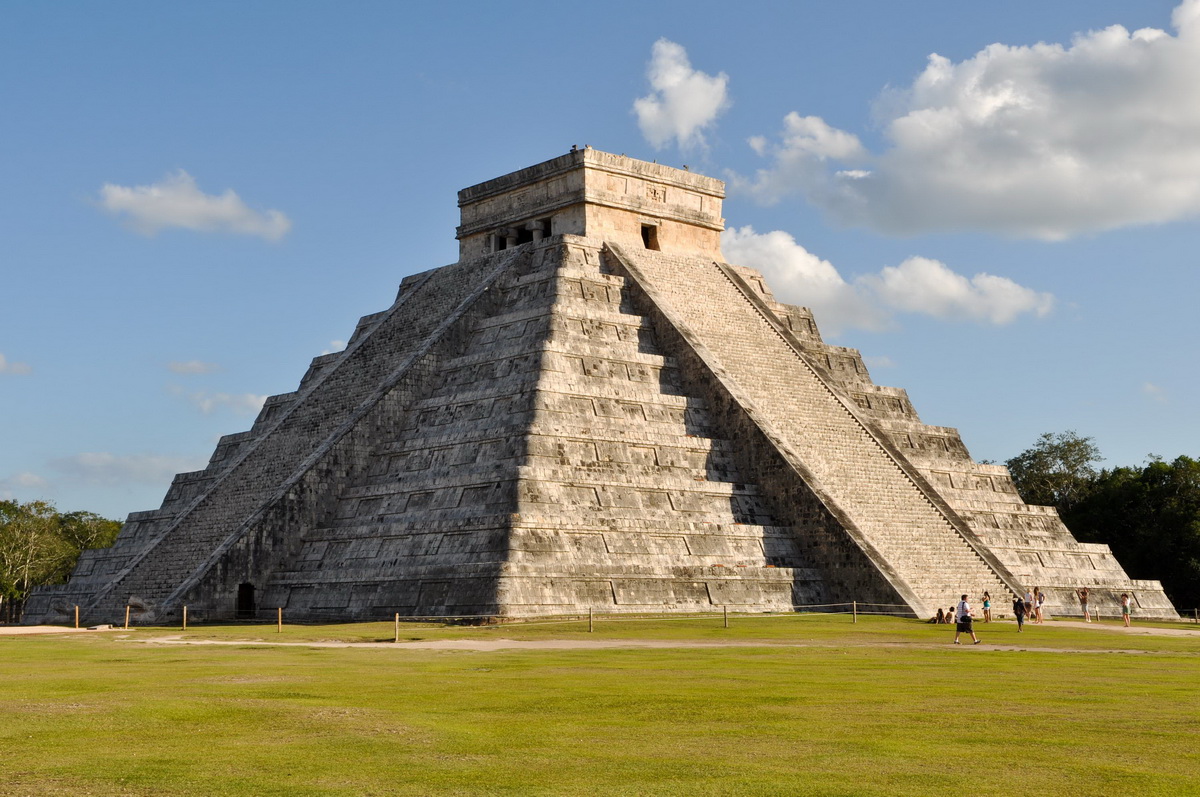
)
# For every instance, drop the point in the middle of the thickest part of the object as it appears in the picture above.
(590, 409)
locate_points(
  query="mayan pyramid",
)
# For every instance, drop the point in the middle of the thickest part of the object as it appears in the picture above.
(590, 409)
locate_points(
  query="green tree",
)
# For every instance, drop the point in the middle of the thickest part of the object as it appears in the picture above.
(38, 546)
(32, 552)
(1150, 517)
(1056, 471)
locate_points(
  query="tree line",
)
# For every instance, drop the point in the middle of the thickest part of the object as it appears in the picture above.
(1148, 515)
(40, 545)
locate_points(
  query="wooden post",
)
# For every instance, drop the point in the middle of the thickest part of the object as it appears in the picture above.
(725, 611)
(854, 609)
(397, 627)
(76, 615)
(184, 618)
(279, 620)
(126, 617)
(590, 626)
(1196, 614)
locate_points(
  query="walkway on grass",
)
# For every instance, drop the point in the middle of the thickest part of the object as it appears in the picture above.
(494, 645)
(28, 630)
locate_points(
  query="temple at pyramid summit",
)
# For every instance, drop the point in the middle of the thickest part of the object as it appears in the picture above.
(591, 409)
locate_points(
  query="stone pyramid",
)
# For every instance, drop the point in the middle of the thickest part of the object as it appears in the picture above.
(590, 409)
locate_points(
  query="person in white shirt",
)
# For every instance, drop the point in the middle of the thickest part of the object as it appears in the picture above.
(962, 616)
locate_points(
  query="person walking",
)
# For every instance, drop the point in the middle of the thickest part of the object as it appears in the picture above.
(1028, 603)
(1126, 607)
(1083, 603)
(962, 616)
(1019, 612)
(987, 606)
(1039, 598)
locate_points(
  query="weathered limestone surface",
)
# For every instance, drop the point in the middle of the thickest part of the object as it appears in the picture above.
(591, 409)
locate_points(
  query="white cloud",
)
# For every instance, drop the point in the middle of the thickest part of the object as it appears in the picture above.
(683, 101)
(1045, 141)
(335, 345)
(175, 201)
(925, 286)
(796, 276)
(879, 361)
(23, 482)
(109, 470)
(16, 369)
(1154, 392)
(192, 367)
(207, 402)
(918, 285)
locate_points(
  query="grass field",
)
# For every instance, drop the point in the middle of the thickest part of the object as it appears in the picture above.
(783, 705)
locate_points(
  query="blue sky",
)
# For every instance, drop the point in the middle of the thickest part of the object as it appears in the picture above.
(199, 198)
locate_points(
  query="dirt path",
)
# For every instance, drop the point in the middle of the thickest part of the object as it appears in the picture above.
(493, 645)
(497, 644)
(27, 630)
(1134, 630)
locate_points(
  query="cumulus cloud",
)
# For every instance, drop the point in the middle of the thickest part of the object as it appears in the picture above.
(208, 402)
(8, 366)
(109, 470)
(192, 367)
(176, 201)
(682, 102)
(1154, 392)
(919, 285)
(925, 286)
(1044, 141)
(22, 482)
(334, 345)
(797, 276)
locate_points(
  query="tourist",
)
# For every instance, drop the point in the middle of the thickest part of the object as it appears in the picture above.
(1028, 603)
(987, 606)
(1083, 601)
(963, 615)
(1039, 598)
(1019, 612)
(940, 618)
(1126, 607)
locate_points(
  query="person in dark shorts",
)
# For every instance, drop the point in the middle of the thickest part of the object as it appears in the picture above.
(1019, 612)
(962, 616)
(1083, 604)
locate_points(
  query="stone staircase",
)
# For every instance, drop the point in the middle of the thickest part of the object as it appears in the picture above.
(629, 497)
(896, 517)
(305, 427)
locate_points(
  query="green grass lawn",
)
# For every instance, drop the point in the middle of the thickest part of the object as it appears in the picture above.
(806, 705)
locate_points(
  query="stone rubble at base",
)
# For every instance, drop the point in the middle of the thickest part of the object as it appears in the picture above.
(590, 410)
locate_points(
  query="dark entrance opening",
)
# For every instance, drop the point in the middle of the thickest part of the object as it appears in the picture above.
(245, 602)
(650, 236)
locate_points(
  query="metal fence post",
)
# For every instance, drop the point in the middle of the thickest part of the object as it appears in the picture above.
(854, 609)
